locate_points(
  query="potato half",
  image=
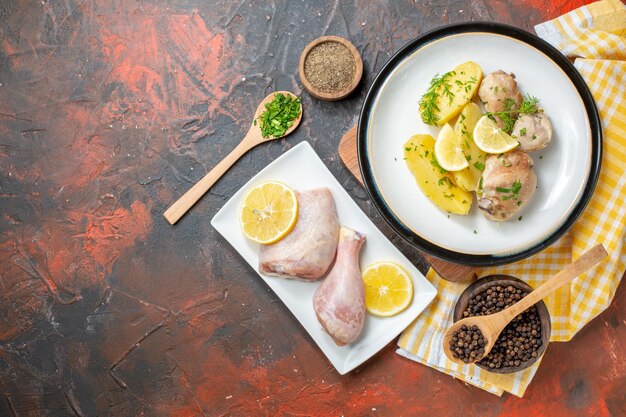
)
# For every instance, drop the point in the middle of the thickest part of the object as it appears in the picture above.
(435, 182)
(455, 89)
(469, 177)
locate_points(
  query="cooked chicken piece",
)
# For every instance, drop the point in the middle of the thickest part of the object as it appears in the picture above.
(339, 302)
(309, 249)
(496, 90)
(533, 132)
(508, 184)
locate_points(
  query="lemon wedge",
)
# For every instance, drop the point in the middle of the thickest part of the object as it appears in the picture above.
(448, 150)
(269, 212)
(491, 139)
(388, 288)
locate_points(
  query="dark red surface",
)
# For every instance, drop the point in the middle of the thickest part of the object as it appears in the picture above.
(109, 110)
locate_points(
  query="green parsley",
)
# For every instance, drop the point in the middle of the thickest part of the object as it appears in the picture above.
(513, 191)
(479, 166)
(279, 115)
(435, 163)
(522, 132)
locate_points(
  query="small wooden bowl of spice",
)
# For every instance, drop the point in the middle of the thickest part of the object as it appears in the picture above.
(524, 340)
(330, 68)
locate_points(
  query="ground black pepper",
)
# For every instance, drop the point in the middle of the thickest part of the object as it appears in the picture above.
(330, 67)
(520, 340)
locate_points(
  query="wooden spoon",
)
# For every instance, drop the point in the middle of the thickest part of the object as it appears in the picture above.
(492, 325)
(252, 139)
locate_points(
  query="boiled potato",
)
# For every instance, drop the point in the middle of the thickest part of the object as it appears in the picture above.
(449, 93)
(435, 182)
(469, 177)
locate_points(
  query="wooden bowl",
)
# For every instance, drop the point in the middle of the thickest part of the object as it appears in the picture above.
(506, 280)
(322, 95)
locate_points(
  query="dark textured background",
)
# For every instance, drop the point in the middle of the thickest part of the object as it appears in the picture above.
(111, 109)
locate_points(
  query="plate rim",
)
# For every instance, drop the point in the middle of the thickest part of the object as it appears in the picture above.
(516, 34)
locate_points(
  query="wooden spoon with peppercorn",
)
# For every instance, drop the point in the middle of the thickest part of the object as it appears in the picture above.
(484, 330)
(277, 115)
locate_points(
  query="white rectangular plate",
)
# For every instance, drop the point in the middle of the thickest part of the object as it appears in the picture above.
(302, 169)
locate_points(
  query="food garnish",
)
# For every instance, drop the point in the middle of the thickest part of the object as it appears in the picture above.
(509, 115)
(269, 212)
(279, 115)
(513, 191)
(434, 181)
(464, 128)
(448, 150)
(449, 93)
(388, 289)
(491, 139)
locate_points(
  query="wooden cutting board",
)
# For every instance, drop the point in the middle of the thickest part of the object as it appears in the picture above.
(448, 270)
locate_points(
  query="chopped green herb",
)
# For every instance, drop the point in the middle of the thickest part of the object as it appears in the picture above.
(514, 190)
(407, 149)
(434, 163)
(446, 180)
(279, 115)
(534, 137)
(475, 232)
(426, 153)
(479, 166)
(540, 156)
(519, 218)
(519, 203)
(522, 132)
(468, 157)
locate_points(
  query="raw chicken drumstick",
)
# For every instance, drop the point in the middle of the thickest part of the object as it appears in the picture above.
(309, 249)
(339, 301)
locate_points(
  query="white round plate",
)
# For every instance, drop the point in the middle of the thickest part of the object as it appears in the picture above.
(567, 169)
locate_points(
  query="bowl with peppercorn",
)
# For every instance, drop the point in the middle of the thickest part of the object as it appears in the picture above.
(523, 340)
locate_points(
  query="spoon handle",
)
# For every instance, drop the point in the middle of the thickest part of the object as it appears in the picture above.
(580, 265)
(184, 203)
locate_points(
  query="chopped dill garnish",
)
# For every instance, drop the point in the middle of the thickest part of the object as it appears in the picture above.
(428, 103)
(509, 114)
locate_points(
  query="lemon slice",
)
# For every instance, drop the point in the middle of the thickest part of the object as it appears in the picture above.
(448, 150)
(269, 212)
(388, 288)
(491, 139)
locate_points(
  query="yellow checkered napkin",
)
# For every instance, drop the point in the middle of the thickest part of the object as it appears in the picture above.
(595, 36)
